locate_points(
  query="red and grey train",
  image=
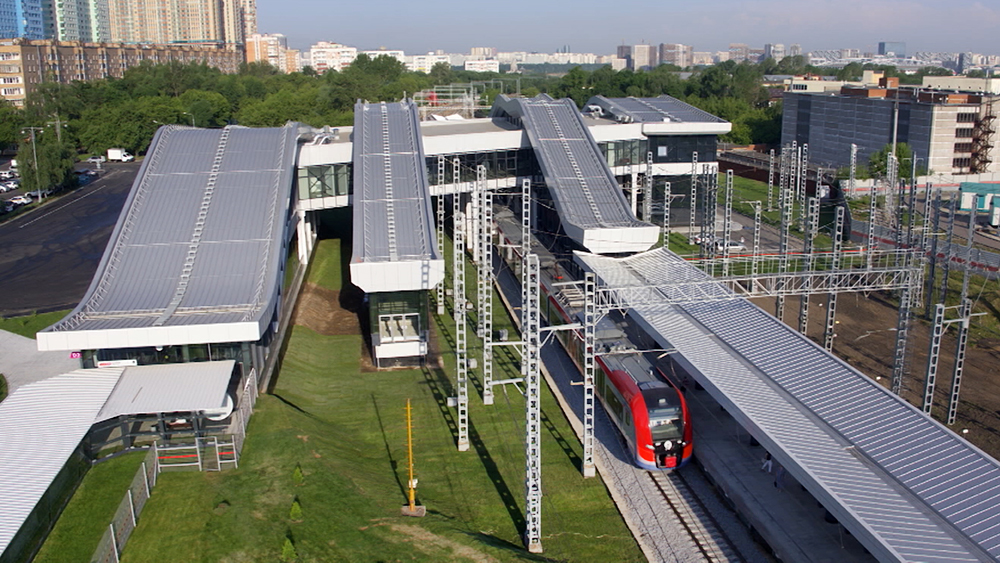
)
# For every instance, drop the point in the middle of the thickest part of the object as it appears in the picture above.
(646, 405)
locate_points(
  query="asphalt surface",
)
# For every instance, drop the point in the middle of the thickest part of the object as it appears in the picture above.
(49, 255)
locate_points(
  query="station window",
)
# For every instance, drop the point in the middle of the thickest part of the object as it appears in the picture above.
(963, 147)
(961, 162)
(966, 117)
(963, 133)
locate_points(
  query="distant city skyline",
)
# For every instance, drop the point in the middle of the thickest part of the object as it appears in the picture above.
(587, 26)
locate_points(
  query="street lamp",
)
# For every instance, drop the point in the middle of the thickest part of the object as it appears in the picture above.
(34, 154)
(191, 116)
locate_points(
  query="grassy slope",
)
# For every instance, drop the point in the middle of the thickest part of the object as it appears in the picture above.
(86, 517)
(29, 325)
(346, 430)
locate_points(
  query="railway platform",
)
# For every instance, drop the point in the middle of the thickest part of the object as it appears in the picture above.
(786, 518)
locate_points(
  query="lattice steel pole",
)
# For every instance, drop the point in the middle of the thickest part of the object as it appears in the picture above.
(770, 180)
(694, 194)
(461, 349)
(803, 178)
(960, 347)
(486, 282)
(902, 331)
(831, 298)
(647, 195)
(456, 225)
(589, 350)
(949, 251)
(666, 213)
(727, 222)
(967, 271)
(530, 324)
(872, 210)
(711, 209)
(440, 230)
(931, 273)
(854, 171)
(812, 225)
(755, 263)
(785, 205)
(633, 181)
(933, 357)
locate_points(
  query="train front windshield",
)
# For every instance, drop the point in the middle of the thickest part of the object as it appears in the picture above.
(666, 424)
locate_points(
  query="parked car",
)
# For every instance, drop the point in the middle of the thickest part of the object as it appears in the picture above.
(733, 245)
(97, 159)
(20, 200)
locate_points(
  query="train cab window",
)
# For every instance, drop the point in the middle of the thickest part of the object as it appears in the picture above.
(666, 424)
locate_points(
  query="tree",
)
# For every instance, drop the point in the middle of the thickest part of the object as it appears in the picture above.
(54, 161)
(904, 155)
(11, 121)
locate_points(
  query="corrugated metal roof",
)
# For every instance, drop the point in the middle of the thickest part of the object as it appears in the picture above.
(647, 110)
(392, 213)
(41, 424)
(201, 231)
(900, 479)
(195, 386)
(583, 188)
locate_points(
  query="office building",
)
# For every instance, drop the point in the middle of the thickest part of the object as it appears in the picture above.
(25, 63)
(952, 132)
(896, 48)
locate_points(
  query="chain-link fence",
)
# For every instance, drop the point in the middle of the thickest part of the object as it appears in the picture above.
(127, 515)
(209, 453)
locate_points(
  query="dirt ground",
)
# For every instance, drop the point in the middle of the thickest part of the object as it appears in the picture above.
(866, 337)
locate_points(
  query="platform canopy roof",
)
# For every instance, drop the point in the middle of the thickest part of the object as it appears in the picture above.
(198, 251)
(43, 423)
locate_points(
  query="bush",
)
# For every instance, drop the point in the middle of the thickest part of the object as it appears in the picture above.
(297, 475)
(3, 387)
(288, 551)
(295, 514)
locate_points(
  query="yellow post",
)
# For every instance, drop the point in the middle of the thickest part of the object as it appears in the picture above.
(411, 509)
(409, 448)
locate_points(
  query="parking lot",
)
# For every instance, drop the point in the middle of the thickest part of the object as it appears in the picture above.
(49, 253)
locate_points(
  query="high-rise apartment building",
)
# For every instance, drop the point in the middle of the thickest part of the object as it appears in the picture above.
(774, 51)
(271, 48)
(483, 53)
(645, 57)
(738, 52)
(76, 20)
(25, 63)
(191, 21)
(676, 54)
(325, 56)
(22, 18)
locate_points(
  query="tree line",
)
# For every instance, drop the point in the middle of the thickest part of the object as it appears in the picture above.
(96, 115)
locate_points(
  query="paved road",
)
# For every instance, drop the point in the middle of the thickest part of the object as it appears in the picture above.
(48, 257)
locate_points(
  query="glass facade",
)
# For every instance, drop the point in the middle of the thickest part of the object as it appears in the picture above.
(326, 180)
(499, 164)
(144, 356)
(623, 153)
(680, 148)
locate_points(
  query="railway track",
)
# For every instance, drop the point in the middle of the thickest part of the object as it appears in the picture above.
(694, 517)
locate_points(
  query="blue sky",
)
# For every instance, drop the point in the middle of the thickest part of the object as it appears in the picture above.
(597, 27)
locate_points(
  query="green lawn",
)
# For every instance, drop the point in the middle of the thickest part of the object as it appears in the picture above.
(346, 431)
(30, 324)
(78, 531)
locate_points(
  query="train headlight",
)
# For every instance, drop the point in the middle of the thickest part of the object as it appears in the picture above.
(667, 445)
